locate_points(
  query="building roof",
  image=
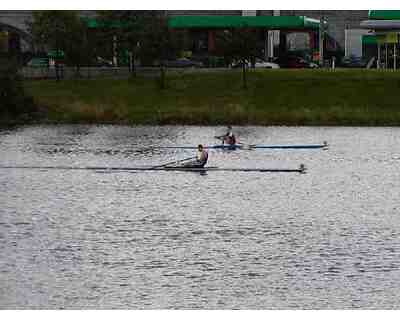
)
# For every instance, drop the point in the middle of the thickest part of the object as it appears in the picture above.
(380, 24)
(384, 14)
(390, 37)
(369, 39)
(98, 23)
(385, 24)
(268, 22)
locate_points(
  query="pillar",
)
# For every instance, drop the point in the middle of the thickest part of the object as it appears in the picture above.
(386, 56)
(115, 60)
(312, 41)
(378, 62)
(211, 41)
(282, 43)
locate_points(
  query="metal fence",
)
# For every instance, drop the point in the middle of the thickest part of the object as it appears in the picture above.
(29, 72)
(72, 72)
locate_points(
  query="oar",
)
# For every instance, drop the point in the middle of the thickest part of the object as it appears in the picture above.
(219, 137)
(245, 146)
(177, 161)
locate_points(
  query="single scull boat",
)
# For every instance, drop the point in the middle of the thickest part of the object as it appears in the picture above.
(301, 169)
(250, 146)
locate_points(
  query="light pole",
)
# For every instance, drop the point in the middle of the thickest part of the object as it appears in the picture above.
(323, 26)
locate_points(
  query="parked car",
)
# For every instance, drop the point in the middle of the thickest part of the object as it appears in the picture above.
(258, 64)
(353, 62)
(38, 62)
(296, 62)
(265, 64)
(183, 63)
(101, 62)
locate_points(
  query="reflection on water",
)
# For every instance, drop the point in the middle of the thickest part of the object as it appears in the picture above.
(95, 239)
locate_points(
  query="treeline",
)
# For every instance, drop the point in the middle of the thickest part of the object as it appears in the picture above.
(144, 34)
(15, 104)
(80, 41)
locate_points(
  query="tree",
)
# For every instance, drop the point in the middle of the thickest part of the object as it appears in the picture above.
(121, 28)
(13, 99)
(159, 42)
(62, 31)
(239, 45)
(144, 33)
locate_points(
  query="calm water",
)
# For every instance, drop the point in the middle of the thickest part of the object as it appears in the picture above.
(87, 239)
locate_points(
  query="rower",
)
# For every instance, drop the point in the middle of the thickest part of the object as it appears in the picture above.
(201, 159)
(229, 138)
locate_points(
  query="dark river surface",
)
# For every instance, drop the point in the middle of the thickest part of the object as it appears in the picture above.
(328, 239)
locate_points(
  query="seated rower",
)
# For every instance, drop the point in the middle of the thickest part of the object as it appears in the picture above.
(229, 138)
(202, 157)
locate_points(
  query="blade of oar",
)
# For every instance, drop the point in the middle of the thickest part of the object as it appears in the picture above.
(245, 146)
(173, 162)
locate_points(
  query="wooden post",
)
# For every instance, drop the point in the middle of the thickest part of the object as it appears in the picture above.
(386, 55)
(378, 62)
(244, 66)
(321, 42)
(115, 60)
(211, 41)
(266, 45)
(130, 62)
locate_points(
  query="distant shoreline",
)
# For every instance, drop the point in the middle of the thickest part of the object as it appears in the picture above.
(273, 97)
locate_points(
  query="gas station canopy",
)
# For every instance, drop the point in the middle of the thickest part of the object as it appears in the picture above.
(384, 14)
(267, 22)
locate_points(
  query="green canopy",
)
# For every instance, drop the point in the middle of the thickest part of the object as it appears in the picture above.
(55, 54)
(369, 39)
(391, 37)
(384, 14)
(96, 23)
(268, 22)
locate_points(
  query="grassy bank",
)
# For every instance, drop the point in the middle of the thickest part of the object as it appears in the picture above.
(274, 97)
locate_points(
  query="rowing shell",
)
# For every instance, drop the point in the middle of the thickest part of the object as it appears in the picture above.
(251, 146)
(301, 169)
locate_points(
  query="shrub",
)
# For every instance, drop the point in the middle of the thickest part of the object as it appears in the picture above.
(13, 99)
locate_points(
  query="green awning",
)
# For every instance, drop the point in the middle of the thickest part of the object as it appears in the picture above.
(369, 40)
(384, 14)
(55, 54)
(220, 22)
(93, 23)
(390, 37)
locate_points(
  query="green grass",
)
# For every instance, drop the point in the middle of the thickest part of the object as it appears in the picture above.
(273, 97)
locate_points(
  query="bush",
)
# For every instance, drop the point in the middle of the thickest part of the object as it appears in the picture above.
(13, 99)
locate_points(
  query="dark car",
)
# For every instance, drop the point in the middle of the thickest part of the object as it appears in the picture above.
(296, 62)
(38, 62)
(183, 63)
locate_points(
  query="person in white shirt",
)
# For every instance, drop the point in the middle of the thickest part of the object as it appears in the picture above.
(201, 159)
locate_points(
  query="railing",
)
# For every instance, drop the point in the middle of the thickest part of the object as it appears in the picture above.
(72, 72)
(30, 72)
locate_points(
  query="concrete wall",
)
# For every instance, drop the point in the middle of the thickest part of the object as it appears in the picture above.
(16, 18)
